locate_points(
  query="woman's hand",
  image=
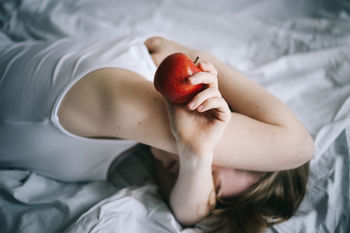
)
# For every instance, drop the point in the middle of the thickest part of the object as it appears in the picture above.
(199, 125)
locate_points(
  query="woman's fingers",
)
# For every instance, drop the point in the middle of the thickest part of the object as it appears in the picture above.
(208, 67)
(209, 77)
(219, 104)
(204, 78)
(202, 96)
(216, 102)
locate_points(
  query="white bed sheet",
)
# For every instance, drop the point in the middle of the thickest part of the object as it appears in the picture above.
(299, 50)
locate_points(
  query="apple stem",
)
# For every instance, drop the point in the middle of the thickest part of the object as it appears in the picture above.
(196, 60)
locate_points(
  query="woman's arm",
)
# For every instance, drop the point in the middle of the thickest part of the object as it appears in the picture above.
(188, 190)
(197, 131)
(264, 134)
(193, 195)
(121, 104)
(262, 127)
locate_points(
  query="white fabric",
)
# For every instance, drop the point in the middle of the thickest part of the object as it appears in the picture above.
(299, 50)
(35, 78)
(151, 214)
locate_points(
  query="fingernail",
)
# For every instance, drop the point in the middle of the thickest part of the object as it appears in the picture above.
(191, 106)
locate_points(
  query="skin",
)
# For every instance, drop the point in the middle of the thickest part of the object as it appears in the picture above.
(228, 182)
(258, 133)
(197, 129)
(117, 103)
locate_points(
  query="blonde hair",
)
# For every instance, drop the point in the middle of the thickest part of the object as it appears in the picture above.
(272, 200)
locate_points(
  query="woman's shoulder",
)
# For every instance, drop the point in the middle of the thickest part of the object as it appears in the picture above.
(117, 103)
(84, 107)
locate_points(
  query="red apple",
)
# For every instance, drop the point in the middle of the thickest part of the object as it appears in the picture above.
(170, 78)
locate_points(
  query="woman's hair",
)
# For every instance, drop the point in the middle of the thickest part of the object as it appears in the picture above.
(272, 200)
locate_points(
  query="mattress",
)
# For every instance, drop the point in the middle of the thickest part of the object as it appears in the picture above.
(299, 50)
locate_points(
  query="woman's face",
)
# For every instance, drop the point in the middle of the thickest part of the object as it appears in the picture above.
(228, 181)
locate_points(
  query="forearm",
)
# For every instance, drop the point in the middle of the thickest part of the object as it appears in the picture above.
(263, 134)
(193, 194)
(246, 97)
(250, 144)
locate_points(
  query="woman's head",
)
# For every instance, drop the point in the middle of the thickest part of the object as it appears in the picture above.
(230, 182)
(273, 199)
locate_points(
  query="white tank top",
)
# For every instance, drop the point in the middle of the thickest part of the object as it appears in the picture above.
(34, 77)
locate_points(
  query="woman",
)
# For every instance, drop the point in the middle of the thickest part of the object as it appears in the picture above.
(247, 201)
(85, 101)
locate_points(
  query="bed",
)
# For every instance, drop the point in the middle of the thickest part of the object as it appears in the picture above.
(299, 50)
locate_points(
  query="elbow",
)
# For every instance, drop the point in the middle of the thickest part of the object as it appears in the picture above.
(304, 148)
(310, 150)
(187, 220)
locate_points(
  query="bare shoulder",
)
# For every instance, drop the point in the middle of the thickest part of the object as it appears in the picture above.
(116, 103)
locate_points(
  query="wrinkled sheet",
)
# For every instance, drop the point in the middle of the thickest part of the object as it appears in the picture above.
(299, 50)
